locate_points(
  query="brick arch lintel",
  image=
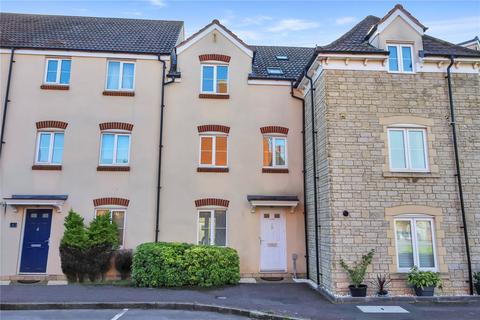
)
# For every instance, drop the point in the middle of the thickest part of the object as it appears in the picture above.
(51, 124)
(274, 129)
(116, 126)
(213, 128)
(212, 202)
(112, 201)
(214, 57)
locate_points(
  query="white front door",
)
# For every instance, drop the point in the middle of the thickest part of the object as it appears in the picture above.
(272, 240)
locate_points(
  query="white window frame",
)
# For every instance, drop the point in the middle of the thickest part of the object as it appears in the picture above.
(59, 70)
(400, 57)
(214, 78)
(274, 165)
(120, 78)
(50, 147)
(214, 150)
(212, 225)
(406, 142)
(115, 208)
(115, 142)
(413, 227)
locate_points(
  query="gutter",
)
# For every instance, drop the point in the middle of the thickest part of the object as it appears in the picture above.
(160, 148)
(304, 177)
(458, 174)
(5, 104)
(314, 133)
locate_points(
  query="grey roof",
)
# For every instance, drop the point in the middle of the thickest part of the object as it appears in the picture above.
(271, 198)
(35, 31)
(39, 197)
(265, 57)
(437, 47)
(468, 41)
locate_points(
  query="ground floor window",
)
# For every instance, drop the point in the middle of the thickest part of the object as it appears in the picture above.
(117, 216)
(212, 227)
(415, 243)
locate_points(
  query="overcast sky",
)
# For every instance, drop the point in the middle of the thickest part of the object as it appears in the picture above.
(269, 22)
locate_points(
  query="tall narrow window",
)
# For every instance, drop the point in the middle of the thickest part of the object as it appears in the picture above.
(274, 151)
(400, 58)
(213, 151)
(415, 243)
(117, 216)
(212, 227)
(115, 149)
(120, 75)
(407, 149)
(49, 148)
(58, 71)
(214, 79)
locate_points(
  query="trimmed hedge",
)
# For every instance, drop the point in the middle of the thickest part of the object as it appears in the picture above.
(180, 264)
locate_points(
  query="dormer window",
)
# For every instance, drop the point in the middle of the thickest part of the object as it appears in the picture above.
(275, 71)
(282, 57)
(400, 58)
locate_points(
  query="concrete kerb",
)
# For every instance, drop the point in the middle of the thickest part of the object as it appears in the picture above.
(252, 314)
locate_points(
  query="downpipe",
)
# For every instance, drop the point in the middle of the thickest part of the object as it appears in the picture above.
(5, 104)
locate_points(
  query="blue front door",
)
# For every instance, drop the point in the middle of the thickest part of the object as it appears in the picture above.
(35, 240)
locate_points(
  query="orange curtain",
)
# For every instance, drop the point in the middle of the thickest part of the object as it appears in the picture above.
(206, 150)
(221, 151)
(267, 152)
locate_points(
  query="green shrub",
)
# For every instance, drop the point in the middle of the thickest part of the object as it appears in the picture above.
(359, 269)
(422, 279)
(75, 234)
(180, 264)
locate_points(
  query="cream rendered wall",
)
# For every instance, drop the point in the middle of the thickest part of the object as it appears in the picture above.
(83, 107)
(249, 108)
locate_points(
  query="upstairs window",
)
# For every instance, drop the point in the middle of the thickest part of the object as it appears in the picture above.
(49, 148)
(407, 149)
(58, 71)
(400, 58)
(215, 79)
(213, 151)
(212, 227)
(115, 149)
(120, 75)
(274, 152)
(275, 71)
(282, 57)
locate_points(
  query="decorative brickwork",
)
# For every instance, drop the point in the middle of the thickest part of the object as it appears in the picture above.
(119, 93)
(116, 126)
(111, 202)
(52, 124)
(113, 168)
(274, 129)
(211, 202)
(54, 87)
(203, 169)
(214, 57)
(213, 96)
(274, 170)
(46, 167)
(213, 128)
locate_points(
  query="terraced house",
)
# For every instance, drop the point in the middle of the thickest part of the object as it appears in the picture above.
(210, 140)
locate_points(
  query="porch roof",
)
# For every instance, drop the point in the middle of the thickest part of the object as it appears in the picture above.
(273, 201)
(52, 200)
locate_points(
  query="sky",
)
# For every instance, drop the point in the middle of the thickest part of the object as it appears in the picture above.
(271, 22)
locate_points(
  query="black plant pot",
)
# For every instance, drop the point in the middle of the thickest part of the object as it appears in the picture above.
(361, 291)
(382, 293)
(425, 292)
(477, 288)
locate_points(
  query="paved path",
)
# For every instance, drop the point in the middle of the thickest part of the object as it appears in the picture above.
(108, 314)
(293, 299)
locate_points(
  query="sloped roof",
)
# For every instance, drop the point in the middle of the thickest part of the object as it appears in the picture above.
(469, 41)
(34, 31)
(437, 47)
(266, 57)
(408, 14)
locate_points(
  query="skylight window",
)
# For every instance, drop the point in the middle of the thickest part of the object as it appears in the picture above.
(282, 57)
(274, 71)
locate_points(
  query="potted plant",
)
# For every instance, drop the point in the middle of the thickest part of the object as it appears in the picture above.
(476, 277)
(381, 282)
(424, 282)
(357, 274)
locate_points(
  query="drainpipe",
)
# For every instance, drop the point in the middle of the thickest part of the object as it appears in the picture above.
(304, 178)
(159, 171)
(5, 104)
(314, 133)
(458, 174)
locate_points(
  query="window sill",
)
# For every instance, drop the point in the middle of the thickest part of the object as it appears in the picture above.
(274, 170)
(113, 168)
(52, 167)
(54, 87)
(391, 174)
(213, 96)
(205, 169)
(119, 93)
